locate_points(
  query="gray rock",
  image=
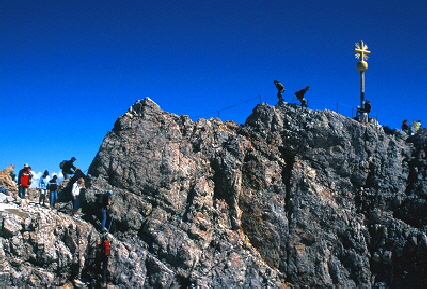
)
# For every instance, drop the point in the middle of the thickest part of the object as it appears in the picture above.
(294, 197)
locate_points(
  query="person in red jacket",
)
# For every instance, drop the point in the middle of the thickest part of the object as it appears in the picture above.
(405, 126)
(24, 180)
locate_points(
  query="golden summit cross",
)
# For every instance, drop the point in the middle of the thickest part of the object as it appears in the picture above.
(362, 52)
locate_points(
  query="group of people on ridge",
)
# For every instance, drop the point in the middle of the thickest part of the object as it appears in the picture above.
(300, 94)
(25, 179)
(411, 129)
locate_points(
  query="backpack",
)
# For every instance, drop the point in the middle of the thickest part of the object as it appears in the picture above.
(102, 199)
(25, 179)
(61, 164)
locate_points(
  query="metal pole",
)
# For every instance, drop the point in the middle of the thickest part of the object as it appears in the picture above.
(362, 54)
(362, 88)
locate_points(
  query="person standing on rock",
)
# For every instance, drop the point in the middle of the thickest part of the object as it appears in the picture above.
(300, 95)
(366, 111)
(68, 168)
(53, 187)
(42, 188)
(24, 181)
(75, 193)
(280, 90)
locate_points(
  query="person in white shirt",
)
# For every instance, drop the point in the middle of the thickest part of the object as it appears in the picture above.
(75, 192)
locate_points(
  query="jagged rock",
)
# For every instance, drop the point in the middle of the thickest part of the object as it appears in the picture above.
(7, 183)
(294, 197)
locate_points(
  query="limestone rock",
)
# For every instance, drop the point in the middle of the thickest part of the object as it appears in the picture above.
(7, 183)
(294, 197)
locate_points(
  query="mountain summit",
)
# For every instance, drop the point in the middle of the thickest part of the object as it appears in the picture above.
(294, 197)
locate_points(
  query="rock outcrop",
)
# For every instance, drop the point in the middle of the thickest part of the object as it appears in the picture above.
(6, 183)
(294, 197)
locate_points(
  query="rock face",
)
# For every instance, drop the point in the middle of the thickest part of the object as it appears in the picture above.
(6, 182)
(292, 198)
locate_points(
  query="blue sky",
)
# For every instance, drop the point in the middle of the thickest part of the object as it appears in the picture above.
(68, 69)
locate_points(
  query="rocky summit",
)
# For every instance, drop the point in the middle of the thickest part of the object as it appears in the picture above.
(294, 198)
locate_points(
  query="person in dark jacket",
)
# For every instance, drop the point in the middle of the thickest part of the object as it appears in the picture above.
(405, 126)
(300, 94)
(53, 188)
(280, 90)
(69, 168)
(103, 201)
(368, 107)
(366, 111)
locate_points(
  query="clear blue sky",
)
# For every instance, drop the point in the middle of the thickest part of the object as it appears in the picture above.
(70, 68)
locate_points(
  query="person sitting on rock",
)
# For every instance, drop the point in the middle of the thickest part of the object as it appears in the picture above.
(417, 125)
(300, 94)
(405, 126)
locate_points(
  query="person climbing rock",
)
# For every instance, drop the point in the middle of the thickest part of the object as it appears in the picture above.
(68, 168)
(103, 200)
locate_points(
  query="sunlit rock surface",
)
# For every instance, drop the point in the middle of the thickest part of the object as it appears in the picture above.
(293, 197)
